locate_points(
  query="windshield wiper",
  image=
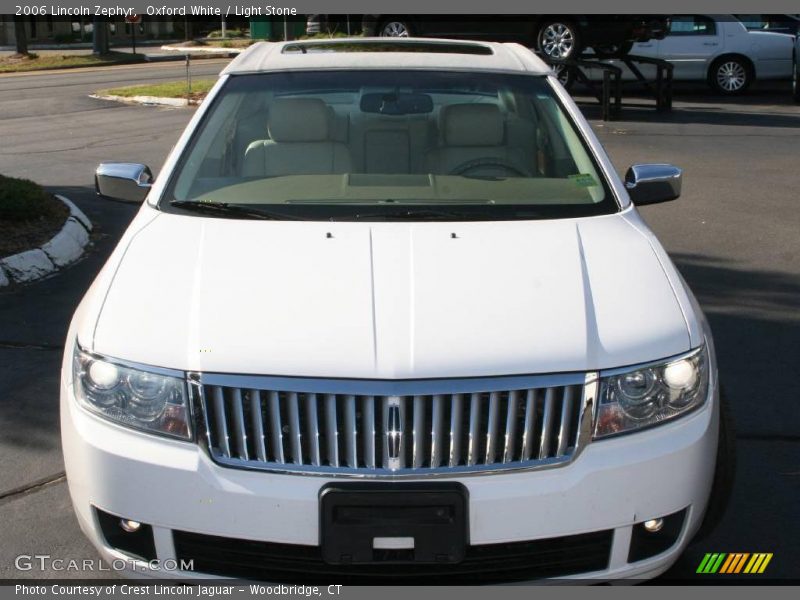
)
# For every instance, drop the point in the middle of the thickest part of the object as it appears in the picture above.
(230, 211)
(423, 214)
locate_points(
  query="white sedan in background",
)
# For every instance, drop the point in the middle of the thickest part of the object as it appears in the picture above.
(720, 50)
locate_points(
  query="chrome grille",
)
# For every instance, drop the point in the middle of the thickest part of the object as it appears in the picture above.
(402, 428)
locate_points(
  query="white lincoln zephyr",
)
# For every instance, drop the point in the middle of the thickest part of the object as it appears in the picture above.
(389, 314)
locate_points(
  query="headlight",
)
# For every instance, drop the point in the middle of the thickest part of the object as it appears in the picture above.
(132, 397)
(651, 394)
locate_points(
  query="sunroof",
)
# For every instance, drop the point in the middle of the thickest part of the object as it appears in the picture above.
(388, 46)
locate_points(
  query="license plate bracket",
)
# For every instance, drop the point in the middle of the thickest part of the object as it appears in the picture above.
(354, 514)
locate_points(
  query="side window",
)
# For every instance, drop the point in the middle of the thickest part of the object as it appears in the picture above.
(754, 22)
(692, 25)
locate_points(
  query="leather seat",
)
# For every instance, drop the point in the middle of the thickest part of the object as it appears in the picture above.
(300, 142)
(471, 133)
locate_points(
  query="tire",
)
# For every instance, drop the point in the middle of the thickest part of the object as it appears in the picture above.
(724, 472)
(730, 75)
(796, 79)
(558, 38)
(613, 50)
(394, 28)
(565, 76)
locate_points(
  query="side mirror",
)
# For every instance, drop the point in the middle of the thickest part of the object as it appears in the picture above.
(651, 184)
(130, 182)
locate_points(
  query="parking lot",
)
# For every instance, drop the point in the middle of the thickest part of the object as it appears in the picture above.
(733, 235)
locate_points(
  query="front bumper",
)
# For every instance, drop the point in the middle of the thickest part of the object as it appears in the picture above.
(174, 486)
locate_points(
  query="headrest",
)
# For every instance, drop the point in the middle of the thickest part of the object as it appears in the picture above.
(298, 120)
(472, 125)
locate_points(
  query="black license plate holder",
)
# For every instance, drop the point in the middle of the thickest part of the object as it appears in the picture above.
(353, 515)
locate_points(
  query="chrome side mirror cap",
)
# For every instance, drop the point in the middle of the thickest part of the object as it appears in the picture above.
(130, 182)
(651, 184)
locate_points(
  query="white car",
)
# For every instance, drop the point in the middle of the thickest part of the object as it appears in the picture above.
(388, 312)
(720, 50)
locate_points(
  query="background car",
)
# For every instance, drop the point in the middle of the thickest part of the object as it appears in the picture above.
(556, 36)
(722, 51)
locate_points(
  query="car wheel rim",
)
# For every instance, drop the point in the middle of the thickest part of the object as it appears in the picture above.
(731, 76)
(394, 29)
(558, 41)
(562, 74)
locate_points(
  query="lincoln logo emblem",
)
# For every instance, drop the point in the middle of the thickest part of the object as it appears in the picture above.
(394, 432)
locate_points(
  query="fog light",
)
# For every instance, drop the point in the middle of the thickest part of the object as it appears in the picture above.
(132, 526)
(651, 526)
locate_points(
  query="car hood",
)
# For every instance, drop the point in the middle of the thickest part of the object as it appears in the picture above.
(389, 300)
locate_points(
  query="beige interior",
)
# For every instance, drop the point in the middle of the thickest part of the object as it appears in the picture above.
(307, 136)
(299, 142)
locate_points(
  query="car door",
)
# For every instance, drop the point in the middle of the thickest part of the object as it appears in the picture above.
(692, 43)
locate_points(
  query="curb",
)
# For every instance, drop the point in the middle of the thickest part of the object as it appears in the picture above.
(146, 100)
(64, 248)
(223, 52)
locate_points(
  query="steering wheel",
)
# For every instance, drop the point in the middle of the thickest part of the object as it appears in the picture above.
(488, 161)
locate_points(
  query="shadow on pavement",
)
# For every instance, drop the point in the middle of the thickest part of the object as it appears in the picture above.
(34, 319)
(761, 106)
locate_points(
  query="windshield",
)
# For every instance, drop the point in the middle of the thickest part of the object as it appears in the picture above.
(353, 145)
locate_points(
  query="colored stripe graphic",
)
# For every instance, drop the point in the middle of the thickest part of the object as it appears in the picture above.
(758, 563)
(735, 562)
(703, 563)
(711, 562)
(726, 566)
(716, 565)
(740, 564)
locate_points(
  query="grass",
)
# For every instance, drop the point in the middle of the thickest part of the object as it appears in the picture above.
(169, 89)
(327, 36)
(34, 62)
(231, 33)
(29, 216)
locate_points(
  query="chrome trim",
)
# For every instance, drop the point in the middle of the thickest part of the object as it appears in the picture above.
(547, 422)
(369, 434)
(392, 387)
(384, 473)
(222, 423)
(588, 414)
(511, 423)
(655, 363)
(258, 425)
(276, 425)
(333, 430)
(586, 418)
(563, 432)
(456, 416)
(530, 425)
(238, 419)
(176, 373)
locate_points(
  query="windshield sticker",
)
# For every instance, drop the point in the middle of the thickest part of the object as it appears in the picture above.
(583, 180)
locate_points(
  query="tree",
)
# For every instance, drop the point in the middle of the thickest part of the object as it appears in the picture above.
(20, 36)
(188, 29)
(99, 36)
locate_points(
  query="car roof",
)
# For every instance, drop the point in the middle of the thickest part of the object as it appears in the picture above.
(386, 53)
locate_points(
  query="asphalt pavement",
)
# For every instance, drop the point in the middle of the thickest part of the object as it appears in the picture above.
(733, 235)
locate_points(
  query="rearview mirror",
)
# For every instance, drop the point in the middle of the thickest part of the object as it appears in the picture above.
(130, 182)
(400, 103)
(651, 184)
